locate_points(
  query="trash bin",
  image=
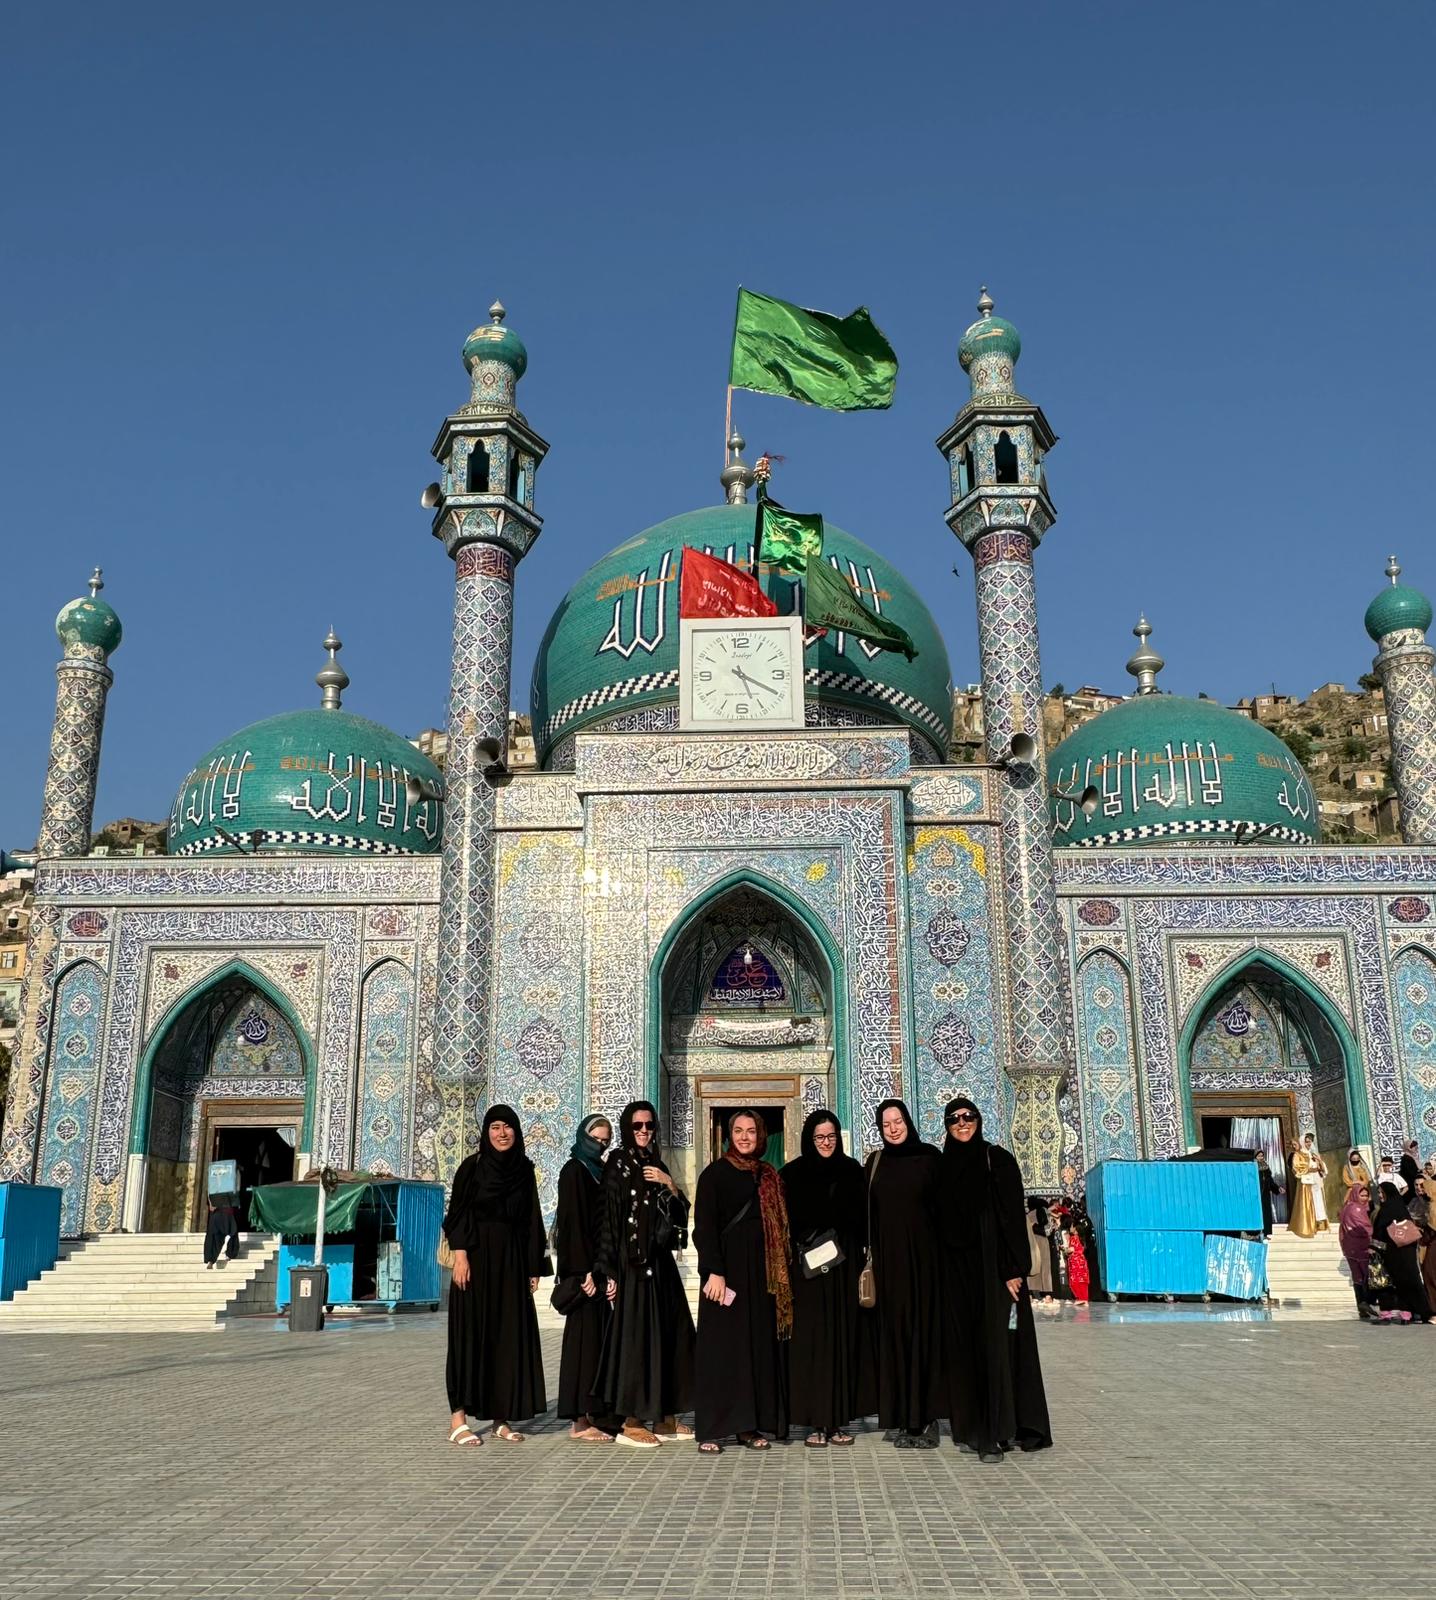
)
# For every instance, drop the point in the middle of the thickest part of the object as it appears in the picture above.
(308, 1288)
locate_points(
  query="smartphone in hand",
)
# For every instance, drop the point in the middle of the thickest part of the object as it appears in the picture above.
(729, 1296)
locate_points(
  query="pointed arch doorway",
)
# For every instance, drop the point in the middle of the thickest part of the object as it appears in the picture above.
(748, 1010)
(228, 1077)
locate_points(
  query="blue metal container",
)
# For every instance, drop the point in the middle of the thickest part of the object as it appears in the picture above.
(1151, 1261)
(1190, 1196)
(29, 1233)
(338, 1258)
(1236, 1267)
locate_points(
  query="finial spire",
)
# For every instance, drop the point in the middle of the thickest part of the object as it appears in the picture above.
(97, 581)
(331, 677)
(737, 476)
(1393, 569)
(497, 312)
(1145, 663)
(984, 303)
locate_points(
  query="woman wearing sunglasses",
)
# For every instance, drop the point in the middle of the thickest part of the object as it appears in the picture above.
(645, 1373)
(994, 1376)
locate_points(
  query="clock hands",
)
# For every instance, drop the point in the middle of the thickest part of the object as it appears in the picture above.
(752, 683)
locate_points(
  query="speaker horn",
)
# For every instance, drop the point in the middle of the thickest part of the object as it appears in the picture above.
(431, 497)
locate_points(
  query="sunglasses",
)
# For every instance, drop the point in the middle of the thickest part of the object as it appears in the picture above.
(637, 1125)
(961, 1116)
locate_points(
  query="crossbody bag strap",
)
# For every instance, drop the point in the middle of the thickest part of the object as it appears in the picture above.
(872, 1173)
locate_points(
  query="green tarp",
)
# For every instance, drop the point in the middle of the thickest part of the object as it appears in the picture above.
(293, 1208)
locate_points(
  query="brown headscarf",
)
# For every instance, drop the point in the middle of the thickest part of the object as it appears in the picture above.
(774, 1209)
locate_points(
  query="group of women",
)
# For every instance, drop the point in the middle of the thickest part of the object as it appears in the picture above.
(830, 1290)
(1388, 1236)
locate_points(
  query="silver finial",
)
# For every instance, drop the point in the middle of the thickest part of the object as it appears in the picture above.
(984, 303)
(1145, 663)
(737, 477)
(97, 581)
(497, 312)
(1393, 569)
(331, 677)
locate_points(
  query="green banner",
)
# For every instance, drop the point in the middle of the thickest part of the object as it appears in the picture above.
(788, 538)
(830, 601)
(293, 1208)
(840, 363)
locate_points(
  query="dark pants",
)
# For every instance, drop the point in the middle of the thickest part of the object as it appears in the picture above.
(221, 1231)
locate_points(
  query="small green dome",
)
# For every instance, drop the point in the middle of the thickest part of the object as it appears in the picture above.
(313, 782)
(1169, 770)
(989, 335)
(491, 341)
(610, 654)
(1396, 608)
(89, 621)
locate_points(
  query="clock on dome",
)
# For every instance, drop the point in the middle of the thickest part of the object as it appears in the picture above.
(740, 672)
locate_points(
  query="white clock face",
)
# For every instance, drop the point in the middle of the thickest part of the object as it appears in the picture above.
(744, 676)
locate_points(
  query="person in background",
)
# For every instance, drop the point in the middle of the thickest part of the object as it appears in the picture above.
(221, 1231)
(575, 1242)
(495, 1228)
(1039, 1278)
(1355, 1171)
(1301, 1217)
(1270, 1189)
(1386, 1173)
(1402, 1265)
(1355, 1234)
(1410, 1167)
(1426, 1184)
(1316, 1181)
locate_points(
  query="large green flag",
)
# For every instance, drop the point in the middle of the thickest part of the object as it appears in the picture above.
(842, 363)
(788, 538)
(830, 601)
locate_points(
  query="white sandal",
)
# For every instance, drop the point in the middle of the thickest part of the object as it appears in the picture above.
(464, 1428)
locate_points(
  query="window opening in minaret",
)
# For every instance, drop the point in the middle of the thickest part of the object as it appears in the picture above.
(516, 477)
(1005, 458)
(966, 479)
(477, 481)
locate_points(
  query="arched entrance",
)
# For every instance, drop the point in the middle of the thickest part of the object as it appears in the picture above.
(227, 1077)
(1266, 1058)
(747, 1012)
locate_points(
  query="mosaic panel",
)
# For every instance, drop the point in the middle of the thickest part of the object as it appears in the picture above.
(1250, 868)
(236, 880)
(1411, 712)
(707, 763)
(296, 974)
(536, 800)
(255, 1039)
(1108, 1103)
(934, 796)
(1414, 981)
(385, 1058)
(69, 803)
(18, 1142)
(1240, 1035)
(70, 1098)
(1198, 961)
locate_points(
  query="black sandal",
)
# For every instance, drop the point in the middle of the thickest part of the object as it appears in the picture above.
(816, 1440)
(754, 1441)
(709, 1447)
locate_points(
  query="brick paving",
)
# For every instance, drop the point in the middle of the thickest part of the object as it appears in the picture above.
(275, 1466)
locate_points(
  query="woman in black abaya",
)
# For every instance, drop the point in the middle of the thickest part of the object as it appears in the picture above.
(994, 1375)
(741, 1230)
(578, 1278)
(495, 1229)
(645, 1373)
(825, 1190)
(907, 1264)
(1402, 1264)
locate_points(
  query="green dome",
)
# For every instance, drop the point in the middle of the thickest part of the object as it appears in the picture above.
(1168, 770)
(490, 342)
(89, 621)
(316, 781)
(611, 649)
(989, 336)
(1397, 608)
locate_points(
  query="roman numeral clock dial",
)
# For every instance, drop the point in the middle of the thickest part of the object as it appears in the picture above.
(744, 673)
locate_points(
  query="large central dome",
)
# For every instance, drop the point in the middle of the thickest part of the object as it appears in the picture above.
(609, 660)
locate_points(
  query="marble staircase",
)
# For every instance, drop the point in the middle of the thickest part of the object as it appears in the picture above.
(1309, 1275)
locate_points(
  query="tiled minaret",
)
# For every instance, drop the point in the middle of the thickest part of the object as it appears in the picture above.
(486, 519)
(1397, 619)
(90, 632)
(1000, 511)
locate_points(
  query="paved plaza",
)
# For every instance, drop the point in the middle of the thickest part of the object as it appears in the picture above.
(262, 1464)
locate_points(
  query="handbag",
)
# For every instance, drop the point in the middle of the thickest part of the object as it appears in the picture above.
(444, 1255)
(1403, 1233)
(1377, 1276)
(820, 1254)
(867, 1278)
(567, 1294)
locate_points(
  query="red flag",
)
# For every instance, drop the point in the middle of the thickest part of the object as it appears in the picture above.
(708, 587)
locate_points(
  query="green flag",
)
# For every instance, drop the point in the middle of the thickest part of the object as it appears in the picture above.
(842, 363)
(830, 601)
(788, 538)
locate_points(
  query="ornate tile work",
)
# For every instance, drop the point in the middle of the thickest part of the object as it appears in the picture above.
(1242, 1035)
(296, 973)
(385, 1068)
(538, 800)
(1404, 663)
(707, 762)
(255, 1039)
(239, 880)
(949, 795)
(1108, 1103)
(1196, 962)
(70, 1091)
(1248, 868)
(1414, 981)
(952, 954)
(69, 803)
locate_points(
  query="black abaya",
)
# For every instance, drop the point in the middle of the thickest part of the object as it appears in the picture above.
(907, 1264)
(576, 1251)
(1403, 1263)
(826, 1194)
(739, 1382)
(646, 1367)
(495, 1365)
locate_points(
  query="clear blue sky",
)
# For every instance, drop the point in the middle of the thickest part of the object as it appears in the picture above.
(240, 249)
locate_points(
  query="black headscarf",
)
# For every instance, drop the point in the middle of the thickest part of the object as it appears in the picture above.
(966, 1172)
(1392, 1209)
(816, 1182)
(587, 1149)
(910, 1144)
(501, 1172)
(638, 1198)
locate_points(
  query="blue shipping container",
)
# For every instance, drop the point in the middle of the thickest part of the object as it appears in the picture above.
(1151, 1261)
(29, 1233)
(1236, 1267)
(1190, 1196)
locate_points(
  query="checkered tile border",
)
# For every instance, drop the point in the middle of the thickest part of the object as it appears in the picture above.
(293, 836)
(1194, 826)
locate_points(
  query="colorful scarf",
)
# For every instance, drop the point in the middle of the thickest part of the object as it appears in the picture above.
(774, 1210)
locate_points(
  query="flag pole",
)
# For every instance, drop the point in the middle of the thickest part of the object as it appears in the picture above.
(727, 424)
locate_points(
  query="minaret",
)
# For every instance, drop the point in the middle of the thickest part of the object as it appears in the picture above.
(1397, 619)
(486, 519)
(1000, 511)
(1145, 663)
(90, 632)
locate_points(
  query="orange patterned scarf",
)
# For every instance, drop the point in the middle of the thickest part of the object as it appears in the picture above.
(774, 1209)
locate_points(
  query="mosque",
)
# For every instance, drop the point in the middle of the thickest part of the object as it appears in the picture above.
(1117, 948)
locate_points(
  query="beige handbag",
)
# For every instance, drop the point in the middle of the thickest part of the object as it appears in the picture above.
(867, 1278)
(444, 1255)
